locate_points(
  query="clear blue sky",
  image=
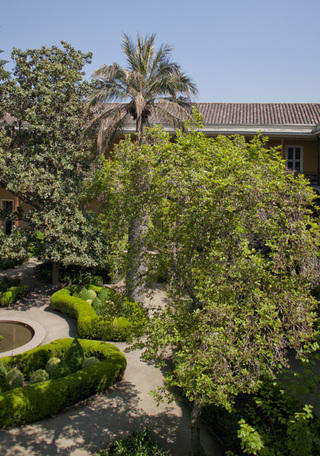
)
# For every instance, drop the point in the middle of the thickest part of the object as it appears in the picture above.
(234, 50)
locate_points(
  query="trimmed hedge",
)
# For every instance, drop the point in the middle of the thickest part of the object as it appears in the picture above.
(37, 401)
(11, 290)
(92, 326)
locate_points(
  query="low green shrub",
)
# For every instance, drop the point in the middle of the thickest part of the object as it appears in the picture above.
(3, 370)
(138, 443)
(51, 364)
(88, 362)
(60, 370)
(11, 290)
(38, 376)
(14, 378)
(120, 321)
(37, 401)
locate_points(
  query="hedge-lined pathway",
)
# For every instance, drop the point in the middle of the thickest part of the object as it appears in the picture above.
(92, 425)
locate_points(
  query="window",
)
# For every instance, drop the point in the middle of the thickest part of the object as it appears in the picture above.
(294, 155)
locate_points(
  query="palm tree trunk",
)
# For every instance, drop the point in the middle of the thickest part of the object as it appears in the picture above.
(196, 449)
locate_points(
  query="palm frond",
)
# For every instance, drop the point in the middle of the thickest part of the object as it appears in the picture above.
(152, 82)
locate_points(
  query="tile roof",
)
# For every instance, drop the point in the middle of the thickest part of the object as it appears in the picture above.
(260, 113)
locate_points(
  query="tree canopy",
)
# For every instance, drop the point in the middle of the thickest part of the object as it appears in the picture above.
(44, 160)
(232, 232)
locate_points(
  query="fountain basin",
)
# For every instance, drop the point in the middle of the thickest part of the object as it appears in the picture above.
(24, 334)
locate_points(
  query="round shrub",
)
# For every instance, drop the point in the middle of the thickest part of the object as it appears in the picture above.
(51, 364)
(39, 375)
(92, 293)
(60, 370)
(88, 362)
(89, 301)
(14, 378)
(85, 294)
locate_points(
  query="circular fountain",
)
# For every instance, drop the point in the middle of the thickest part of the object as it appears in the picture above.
(19, 335)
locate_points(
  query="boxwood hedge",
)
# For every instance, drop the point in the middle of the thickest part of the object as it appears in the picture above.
(92, 326)
(37, 401)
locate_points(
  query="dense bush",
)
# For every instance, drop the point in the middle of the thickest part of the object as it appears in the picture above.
(51, 365)
(73, 274)
(10, 263)
(38, 376)
(120, 321)
(271, 422)
(14, 378)
(33, 402)
(11, 290)
(139, 443)
(87, 362)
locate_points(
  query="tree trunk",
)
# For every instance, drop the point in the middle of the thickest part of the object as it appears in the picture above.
(137, 268)
(55, 273)
(196, 449)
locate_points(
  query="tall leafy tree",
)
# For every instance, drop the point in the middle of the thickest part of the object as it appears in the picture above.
(43, 160)
(151, 85)
(233, 233)
(3, 73)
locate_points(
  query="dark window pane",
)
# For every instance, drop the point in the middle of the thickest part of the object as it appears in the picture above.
(290, 165)
(290, 153)
(298, 153)
(297, 167)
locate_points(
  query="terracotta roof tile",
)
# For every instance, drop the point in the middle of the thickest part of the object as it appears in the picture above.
(260, 113)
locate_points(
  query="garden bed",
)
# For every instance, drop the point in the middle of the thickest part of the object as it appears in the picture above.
(69, 385)
(101, 313)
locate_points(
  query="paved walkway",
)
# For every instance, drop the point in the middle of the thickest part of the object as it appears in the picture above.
(92, 425)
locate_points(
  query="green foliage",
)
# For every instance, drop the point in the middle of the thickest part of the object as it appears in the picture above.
(14, 378)
(74, 356)
(269, 423)
(126, 320)
(38, 376)
(3, 380)
(3, 369)
(35, 402)
(60, 370)
(163, 89)
(51, 364)
(14, 248)
(44, 158)
(11, 290)
(235, 234)
(88, 362)
(84, 294)
(251, 442)
(139, 443)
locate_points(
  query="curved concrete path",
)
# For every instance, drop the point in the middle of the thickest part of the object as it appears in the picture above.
(92, 425)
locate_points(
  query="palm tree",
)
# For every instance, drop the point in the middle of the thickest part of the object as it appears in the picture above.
(151, 84)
